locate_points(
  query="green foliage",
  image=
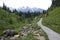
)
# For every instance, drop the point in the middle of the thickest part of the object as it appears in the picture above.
(4, 6)
(29, 37)
(8, 20)
(53, 20)
(55, 3)
(16, 22)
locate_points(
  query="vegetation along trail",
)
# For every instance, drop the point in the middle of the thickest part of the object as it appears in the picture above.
(51, 34)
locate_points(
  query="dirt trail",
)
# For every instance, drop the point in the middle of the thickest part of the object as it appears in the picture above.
(51, 34)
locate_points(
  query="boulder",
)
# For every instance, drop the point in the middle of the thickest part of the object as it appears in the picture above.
(9, 33)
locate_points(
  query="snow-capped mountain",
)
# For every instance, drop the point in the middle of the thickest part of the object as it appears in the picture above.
(26, 9)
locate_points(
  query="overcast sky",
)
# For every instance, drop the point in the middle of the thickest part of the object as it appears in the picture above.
(43, 4)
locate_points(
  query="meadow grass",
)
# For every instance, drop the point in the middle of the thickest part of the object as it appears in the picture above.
(53, 20)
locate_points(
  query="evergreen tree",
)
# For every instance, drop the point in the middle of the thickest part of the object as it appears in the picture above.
(55, 3)
(4, 6)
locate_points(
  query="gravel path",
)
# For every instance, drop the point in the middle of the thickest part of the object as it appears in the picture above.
(51, 34)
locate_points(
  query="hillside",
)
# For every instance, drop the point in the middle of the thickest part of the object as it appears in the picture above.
(21, 25)
(8, 20)
(53, 19)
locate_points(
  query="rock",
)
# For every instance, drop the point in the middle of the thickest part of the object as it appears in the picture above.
(2, 38)
(24, 31)
(15, 37)
(9, 33)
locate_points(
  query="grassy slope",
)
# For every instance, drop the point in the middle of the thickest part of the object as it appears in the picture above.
(12, 21)
(36, 20)
(53, 20)
(15, 22)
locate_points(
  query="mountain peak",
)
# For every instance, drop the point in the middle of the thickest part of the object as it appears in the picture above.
(26, 9)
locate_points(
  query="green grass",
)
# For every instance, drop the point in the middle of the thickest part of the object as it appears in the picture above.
(28, 37)
(53, 20)
(15, 22)
(35, 21)
(10, 21)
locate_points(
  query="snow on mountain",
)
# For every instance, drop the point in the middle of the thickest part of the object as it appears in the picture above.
(26, 9)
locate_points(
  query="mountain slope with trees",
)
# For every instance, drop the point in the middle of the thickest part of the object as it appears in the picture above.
(52, 20)
(7, 19)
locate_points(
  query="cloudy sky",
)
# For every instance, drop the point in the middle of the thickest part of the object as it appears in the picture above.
(43, 4)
